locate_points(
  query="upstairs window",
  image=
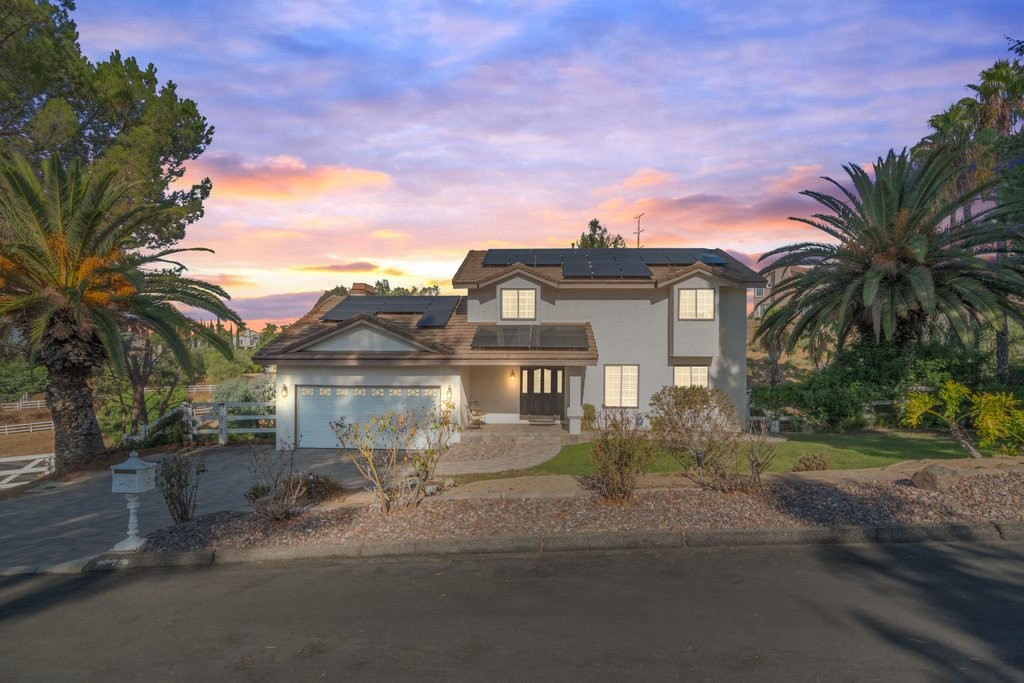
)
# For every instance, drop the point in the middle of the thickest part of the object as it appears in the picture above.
(621, 386)
(758, 292)
(697, 304)
(690, 375)
(518, 304)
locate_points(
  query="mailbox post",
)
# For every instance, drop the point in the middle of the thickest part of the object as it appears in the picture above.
(133, 477)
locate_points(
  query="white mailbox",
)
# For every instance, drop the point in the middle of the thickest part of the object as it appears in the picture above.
(134, 475)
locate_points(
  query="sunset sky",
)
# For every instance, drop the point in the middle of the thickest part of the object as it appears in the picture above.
(365, 140)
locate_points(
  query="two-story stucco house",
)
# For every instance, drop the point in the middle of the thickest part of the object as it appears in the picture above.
(539, 333)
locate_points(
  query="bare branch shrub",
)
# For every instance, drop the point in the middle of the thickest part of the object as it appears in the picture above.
(375, 447)
(697, 427)
(276, 494)
(435, 434)
(177, 477)
(620, 453)
(760, 454)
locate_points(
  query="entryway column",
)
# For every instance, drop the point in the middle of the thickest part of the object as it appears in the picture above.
(574, 409)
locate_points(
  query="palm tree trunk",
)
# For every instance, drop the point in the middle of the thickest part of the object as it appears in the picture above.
(76, 431)
(1003, 350)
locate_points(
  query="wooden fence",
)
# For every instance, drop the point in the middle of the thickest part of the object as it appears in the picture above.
(22, 404)
(26, 428)
(22, 469)
(221, 415)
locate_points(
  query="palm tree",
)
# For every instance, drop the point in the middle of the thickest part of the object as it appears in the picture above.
(70, 282)
(902, 262)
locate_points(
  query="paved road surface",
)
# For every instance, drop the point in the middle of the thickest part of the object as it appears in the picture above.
(853, 613)
(63, 521)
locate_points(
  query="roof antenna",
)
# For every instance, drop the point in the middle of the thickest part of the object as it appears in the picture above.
(638, 229)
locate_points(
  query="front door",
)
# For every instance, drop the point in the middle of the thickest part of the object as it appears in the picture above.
(541, 391)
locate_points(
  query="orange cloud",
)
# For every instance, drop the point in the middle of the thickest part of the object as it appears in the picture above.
(226, 280)
(799, 177)
(647, 177)
(355, 267)
(282, 177)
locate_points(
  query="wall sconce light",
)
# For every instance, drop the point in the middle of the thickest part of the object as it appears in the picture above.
(512, 374)
(284, 391)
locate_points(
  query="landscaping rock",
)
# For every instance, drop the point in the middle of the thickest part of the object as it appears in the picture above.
(936, 478)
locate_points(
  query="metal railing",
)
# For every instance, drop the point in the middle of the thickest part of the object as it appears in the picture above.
(23, 469)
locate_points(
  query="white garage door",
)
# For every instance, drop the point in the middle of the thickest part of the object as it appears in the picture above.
(319, 406)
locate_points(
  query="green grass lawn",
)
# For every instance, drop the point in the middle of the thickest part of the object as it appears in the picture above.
(853, 450)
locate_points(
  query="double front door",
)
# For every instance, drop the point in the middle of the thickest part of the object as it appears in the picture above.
(541, 391)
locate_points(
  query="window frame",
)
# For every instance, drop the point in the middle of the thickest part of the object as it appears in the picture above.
(707, 375)
(759, 292)
(679, 303)
(519, 292)
(620, 367)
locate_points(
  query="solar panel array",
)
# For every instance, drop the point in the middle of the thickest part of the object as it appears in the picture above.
(435, 311)
(564, 337)
(602, 263)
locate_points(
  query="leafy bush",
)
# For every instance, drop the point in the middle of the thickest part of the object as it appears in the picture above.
(376, 449)
(997, 417)
(18, 377)
(697, 427)
(620, 453)
(436, 431)
(243, 390)
(177, 477)
(812, 462)
(760, 455)
(589, 416)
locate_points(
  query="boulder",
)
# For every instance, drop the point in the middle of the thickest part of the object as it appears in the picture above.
(935, 478)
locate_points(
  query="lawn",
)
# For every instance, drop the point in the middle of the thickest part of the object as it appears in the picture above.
(854, 450)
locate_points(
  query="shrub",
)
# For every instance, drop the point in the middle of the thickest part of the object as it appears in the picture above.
(697, 428)
(620, 453)
(760, 455)
(177, 477)
(812, 462)
(589, 416)
(277, 491)
(321, 487)
(436, 432)
(19, 377)
(374, 447)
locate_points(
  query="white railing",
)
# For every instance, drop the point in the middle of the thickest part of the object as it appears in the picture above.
(201, 388)
(22, 404)
(26, 428)
(220, 413)
(20, 467)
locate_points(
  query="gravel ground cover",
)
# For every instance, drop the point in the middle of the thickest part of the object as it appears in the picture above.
(480, 451)
(990, 497)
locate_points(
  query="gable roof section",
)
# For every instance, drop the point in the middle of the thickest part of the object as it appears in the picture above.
(473, 274)
(385, 327)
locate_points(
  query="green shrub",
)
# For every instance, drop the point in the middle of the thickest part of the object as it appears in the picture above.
(620, 453)
(589, 416)
(18, 377)
(697, 427)
(812, 462)
(177, 477)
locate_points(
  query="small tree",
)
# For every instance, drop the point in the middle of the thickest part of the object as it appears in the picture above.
(437, 431)
(996, 417)
(177, 477)
(620, 454)
(696, 426)
(375, 448)
(598, 237)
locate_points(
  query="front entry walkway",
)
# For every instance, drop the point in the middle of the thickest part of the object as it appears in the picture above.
(496, 448)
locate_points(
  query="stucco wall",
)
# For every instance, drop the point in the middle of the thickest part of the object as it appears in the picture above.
(361, 339)
(495, 392)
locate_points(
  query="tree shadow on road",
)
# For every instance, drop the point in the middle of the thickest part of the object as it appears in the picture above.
(24, 595)
(972, 591)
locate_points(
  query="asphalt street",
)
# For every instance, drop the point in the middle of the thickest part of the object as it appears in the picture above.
(832, 613)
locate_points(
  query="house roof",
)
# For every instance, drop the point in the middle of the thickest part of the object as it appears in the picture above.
(448, 345)
(473, 273)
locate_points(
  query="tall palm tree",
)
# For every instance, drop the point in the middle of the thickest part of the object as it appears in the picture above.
(901, 261)
(70, 282)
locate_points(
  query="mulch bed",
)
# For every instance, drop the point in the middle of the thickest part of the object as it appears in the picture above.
(990, 497)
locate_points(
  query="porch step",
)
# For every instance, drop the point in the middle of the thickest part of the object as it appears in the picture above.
(543, 419)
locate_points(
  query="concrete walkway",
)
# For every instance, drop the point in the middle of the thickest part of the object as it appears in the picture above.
(67, 520)
(534, 444)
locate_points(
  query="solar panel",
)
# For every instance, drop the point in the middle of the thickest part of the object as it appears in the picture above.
(520, 256)
(548, 257)
(712, 259)
(681, 257)
(654, 257)
(439, 311)
(502, 337)
(602, 255)
(627, 256)
(496, 257)
(576, 269)
(561, 337)
(605, 269)
(635, 269)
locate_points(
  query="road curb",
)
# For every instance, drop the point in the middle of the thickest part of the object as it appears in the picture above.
(981, 532)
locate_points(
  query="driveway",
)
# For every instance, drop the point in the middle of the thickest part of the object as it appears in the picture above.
(63, 521)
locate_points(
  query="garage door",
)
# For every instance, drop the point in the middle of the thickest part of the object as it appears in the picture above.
(318, 406)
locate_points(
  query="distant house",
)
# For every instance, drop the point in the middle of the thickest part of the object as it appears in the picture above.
(246, 339)
(764, 296)
(538, 334)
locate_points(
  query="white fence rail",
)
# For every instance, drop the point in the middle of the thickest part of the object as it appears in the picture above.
(22, 404)
(22, 469)
(26, 428)
(206, 414)
(201, 388)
